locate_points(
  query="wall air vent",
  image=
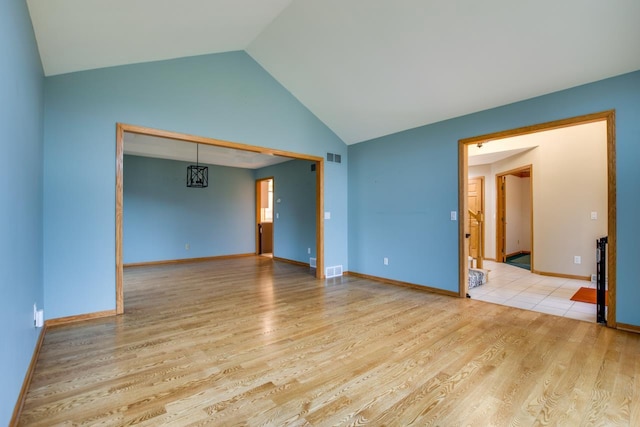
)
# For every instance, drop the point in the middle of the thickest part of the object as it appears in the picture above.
(332, 157)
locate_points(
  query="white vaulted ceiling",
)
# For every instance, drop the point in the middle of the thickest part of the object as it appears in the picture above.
(366, 68)
(75, 35)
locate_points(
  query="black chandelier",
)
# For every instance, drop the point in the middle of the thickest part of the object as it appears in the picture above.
(197, 176)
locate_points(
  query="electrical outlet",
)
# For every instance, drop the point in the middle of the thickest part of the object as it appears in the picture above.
(577, 259)
(593, 278)
(187, 246)
(308, 250)
(385, 261)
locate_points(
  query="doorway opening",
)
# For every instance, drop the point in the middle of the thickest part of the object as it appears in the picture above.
(514, 217)
(264, 216)
(139, 130)
(606, 122)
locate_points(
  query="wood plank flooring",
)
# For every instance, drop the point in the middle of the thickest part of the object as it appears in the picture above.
(251, 341)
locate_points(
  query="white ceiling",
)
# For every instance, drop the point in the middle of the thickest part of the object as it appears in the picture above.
(75, 35)
(366, 68)
(488, 157)
(163, 148)
(499, 149)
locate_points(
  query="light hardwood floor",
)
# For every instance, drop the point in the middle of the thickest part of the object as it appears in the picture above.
(250, 341)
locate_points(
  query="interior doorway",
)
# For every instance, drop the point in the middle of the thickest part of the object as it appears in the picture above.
(264, 216)
(607, 118)
(119, 184)
(514, 215)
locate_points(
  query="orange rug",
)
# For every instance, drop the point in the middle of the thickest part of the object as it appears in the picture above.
(589, 295)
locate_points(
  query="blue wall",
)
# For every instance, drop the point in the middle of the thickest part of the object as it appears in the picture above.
(226, 96)
(294, 231)
(21, 109)
(402, 188)
(161, 214)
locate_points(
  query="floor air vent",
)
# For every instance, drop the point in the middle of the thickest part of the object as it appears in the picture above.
(334, 271)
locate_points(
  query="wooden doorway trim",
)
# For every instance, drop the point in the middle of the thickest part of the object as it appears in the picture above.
(606, 116)
(121, 128)
(501, 208)
(501, 213)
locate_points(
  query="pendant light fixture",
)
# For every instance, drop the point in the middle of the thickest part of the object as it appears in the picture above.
(197, 176)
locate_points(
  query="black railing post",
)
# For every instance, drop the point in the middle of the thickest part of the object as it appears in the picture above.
(601, 279)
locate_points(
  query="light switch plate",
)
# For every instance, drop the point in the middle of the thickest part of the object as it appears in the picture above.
(454, 216)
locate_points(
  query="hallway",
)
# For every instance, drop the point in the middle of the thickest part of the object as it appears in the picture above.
(516, 287)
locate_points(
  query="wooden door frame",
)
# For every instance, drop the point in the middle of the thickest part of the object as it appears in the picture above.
(500, 226)
(463, 163)
(121, 128)
(500, 211)
(258, 213)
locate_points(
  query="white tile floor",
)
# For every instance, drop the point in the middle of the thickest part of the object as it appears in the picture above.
(517, 287)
